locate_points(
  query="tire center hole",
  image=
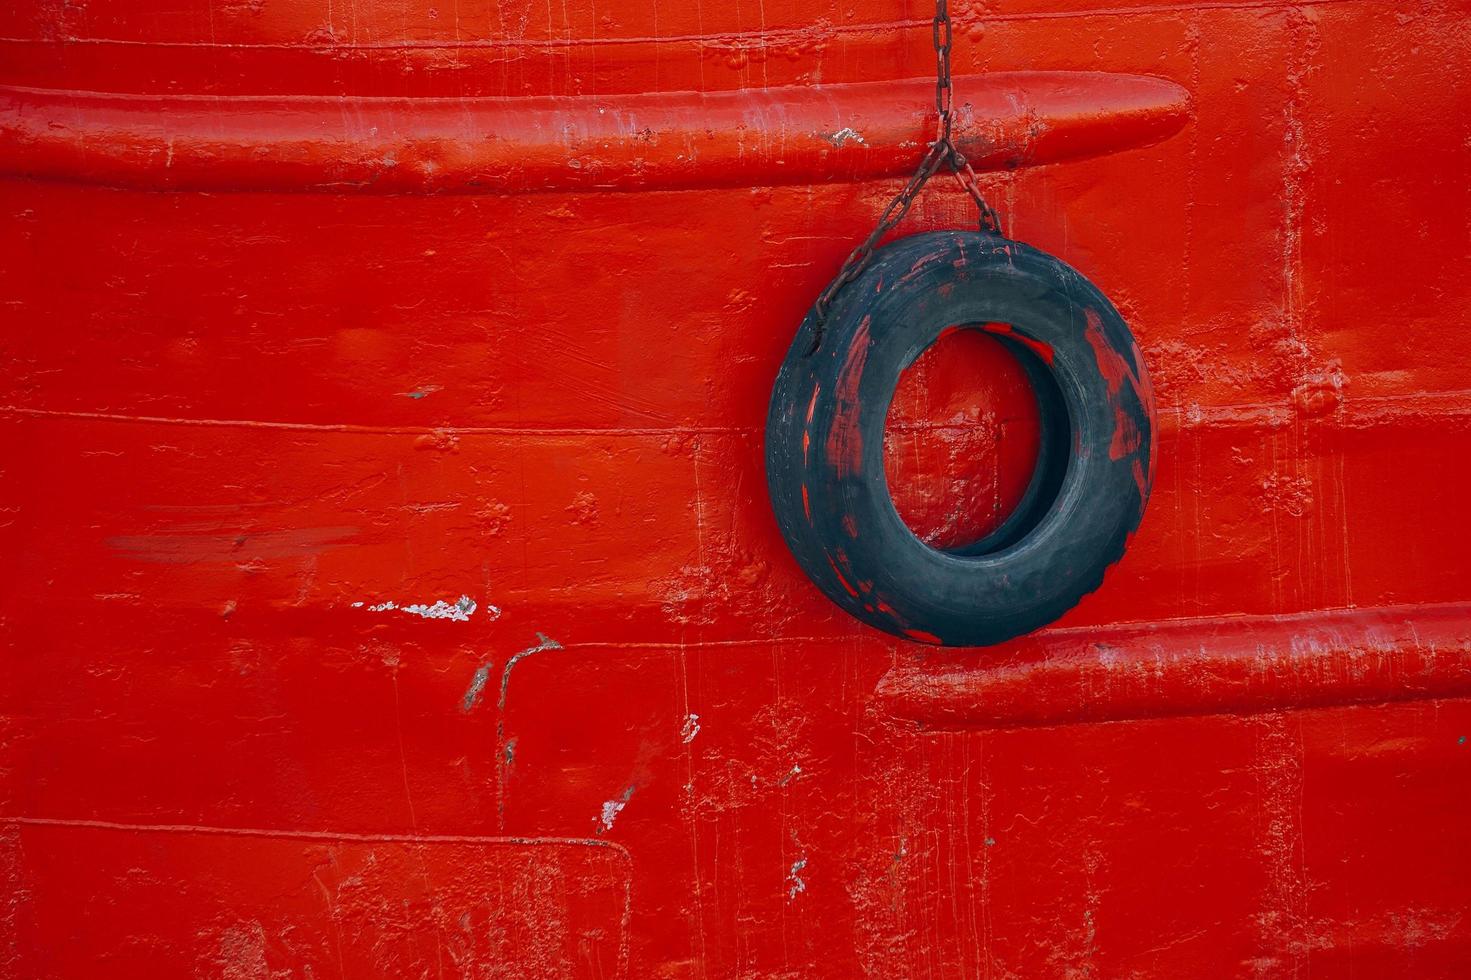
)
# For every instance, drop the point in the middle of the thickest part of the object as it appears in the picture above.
(961, 438)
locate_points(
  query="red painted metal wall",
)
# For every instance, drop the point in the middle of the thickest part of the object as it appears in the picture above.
(389, 587)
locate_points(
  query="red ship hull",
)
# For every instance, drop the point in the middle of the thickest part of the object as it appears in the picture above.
(391, 587)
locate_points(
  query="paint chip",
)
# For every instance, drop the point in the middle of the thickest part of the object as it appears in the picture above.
(690, 729)
(611, 809)
(458, 611)
(795, 884)
(844, 135)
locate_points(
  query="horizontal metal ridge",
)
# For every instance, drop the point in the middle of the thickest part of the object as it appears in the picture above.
(750, 137)
(1238, 665)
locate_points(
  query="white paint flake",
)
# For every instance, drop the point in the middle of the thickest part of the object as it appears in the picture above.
(458, 611)
(691, 728)
(795, 884)
(611, 809)
(844, 135)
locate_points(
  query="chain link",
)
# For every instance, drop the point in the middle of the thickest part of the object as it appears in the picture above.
(942, 152)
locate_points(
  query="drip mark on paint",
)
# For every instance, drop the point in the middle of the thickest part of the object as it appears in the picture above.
(611, 809)
(459, 611)
(690, 729)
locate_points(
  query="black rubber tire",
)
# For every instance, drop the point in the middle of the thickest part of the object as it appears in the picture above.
(825, 430)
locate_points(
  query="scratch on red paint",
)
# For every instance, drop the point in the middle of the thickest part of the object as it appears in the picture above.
(1037, 347)
(844, 440)
(1111, 365)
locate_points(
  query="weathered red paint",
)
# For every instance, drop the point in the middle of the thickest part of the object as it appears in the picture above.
(627, 141)
(262, 364)
(961, 439)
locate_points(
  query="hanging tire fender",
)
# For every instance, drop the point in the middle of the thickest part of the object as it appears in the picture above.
(825, 429)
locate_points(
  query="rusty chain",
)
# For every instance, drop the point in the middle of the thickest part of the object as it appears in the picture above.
(941, 152)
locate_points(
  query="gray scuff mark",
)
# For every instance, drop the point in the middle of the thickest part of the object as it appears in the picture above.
(611, 809)
(690, 729)
(482, 673)
(477, 685)
(507, 750)
(236, 548)
(795, 884)
(543, 642)
(423, 392)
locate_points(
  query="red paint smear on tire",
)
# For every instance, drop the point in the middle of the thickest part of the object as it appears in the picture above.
(847, 586)
(923, 637)
(806, 503)
(1111, 364)
(844, 440)
(1037, 347)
